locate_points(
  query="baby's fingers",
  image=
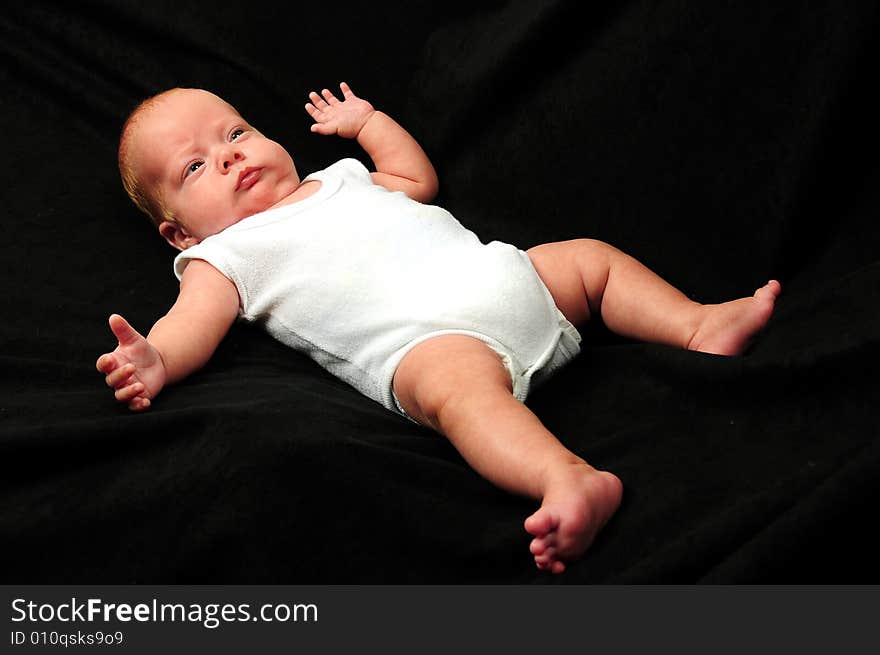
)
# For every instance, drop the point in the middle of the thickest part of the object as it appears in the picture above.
(322, 124)
(106, 363)
(118, 377)
(329, 97)
(123, 331)
(139, 404)
(323, 128)
(128, 393)
(319, 102)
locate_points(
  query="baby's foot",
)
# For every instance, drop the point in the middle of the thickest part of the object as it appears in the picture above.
(577, 504)
(728, 328)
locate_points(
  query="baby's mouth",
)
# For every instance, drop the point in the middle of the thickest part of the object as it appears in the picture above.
(247, 178)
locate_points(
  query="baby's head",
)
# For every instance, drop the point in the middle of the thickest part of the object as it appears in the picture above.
(195, 166)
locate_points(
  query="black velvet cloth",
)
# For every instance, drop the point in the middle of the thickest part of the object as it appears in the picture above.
(722, 144)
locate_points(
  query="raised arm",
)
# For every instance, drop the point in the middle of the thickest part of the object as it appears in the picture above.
(180, 343)
(401, 164)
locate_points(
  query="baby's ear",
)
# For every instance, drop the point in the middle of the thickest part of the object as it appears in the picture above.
(177, 235)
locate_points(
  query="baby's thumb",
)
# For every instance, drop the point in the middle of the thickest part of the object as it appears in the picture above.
(126, 334)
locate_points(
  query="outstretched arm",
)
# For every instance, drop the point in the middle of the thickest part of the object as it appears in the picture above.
(401, 164)
(180, 343)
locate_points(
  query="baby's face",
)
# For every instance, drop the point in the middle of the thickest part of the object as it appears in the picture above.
(211, 167)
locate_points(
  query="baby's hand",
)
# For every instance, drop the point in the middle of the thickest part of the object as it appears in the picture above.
(135, 369)
(344, 118)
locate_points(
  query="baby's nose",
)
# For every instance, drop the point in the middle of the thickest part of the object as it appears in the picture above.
(230, 159)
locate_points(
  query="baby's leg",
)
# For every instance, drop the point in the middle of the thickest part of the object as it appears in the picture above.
(587, 277)
(459, 386)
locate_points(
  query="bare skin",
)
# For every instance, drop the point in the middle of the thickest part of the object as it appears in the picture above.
(196, 150)
(458, 386)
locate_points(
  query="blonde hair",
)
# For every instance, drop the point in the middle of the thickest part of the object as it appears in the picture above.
(147, 199)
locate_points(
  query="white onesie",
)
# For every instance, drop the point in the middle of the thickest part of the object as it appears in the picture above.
(355, 276)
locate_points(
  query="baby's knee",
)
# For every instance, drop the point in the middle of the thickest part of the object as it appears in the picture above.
(595, 250)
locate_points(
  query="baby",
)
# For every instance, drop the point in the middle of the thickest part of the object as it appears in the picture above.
(390, 293)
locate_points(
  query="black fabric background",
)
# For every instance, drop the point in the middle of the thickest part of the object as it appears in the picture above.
(720, 143)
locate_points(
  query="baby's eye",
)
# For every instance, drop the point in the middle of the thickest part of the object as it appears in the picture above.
(235, 134)
(192, 168)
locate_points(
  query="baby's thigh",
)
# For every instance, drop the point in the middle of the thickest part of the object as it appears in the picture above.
(575, 273)
(443, 367)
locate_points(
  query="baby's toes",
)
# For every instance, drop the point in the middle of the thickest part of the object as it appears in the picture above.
(540, 545)
(541, 523)
(769, 291)
(545, 560)
(557, 567)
